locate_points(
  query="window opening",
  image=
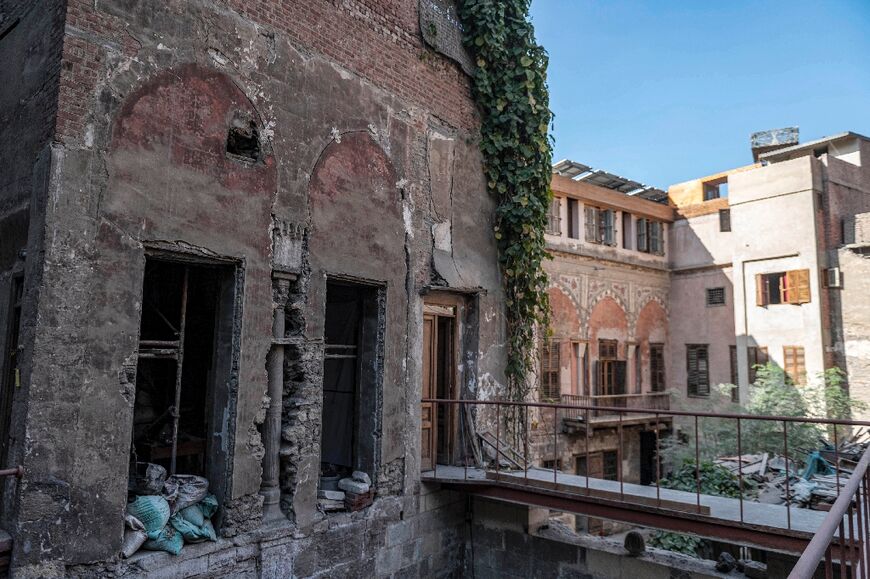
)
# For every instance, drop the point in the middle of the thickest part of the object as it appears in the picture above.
(784, 287)
(657, 367)
(599, 465)
(611, 372)
(757, 356)
(549, 464)
(600, 225)
(350, 379)
(573, 219)
(715, 190)
(185, 352)
(725, 220)
(715, 296)
(626, 230)
(11, 378)
(550, 370)
(650, 236)
(243, 140)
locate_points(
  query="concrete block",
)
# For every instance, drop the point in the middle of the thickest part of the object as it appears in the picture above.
(331, 495)
(362, 477)
(352, 486)
(388, 561)
(277, 562)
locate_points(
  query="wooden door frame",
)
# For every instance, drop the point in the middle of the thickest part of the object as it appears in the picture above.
(434, 306)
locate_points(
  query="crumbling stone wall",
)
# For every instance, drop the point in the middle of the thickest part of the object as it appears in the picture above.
(147, 96)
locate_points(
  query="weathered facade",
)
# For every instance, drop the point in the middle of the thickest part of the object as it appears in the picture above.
(258, 163)
(776, 240)
(608, 342)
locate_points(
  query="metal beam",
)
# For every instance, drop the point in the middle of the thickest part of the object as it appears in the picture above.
(780, 540)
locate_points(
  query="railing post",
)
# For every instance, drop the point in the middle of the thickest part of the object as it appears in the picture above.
(740, 466)
(586, 447)
(555, 445)
(698, 467)
(658, 466)
(497, 440)
(787, 475)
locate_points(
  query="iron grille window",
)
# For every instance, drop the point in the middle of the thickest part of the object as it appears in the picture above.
(698, 369)
(715, 296)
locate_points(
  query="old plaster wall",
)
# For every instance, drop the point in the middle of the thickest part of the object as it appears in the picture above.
(30, 48)
(368, 174)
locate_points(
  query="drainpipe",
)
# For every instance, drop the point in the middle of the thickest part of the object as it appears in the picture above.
(270, 488)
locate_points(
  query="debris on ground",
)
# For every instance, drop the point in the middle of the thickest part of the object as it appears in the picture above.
(813, 482)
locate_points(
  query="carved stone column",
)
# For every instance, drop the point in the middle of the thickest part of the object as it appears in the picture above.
(270, 488)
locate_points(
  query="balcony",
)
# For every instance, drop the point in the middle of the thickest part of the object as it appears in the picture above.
(604, 410)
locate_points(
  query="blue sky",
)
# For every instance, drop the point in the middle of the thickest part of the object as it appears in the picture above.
(662, 91)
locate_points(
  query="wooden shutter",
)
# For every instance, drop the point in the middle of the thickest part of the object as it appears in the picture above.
(703, 372)
(760, 290)
(620, 376)
(606, 223)
(692, 370)
(642, 234)
(591, 224)
(798, 282)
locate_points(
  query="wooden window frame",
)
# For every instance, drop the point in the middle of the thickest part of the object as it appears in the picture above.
(735, 377)
(793, 287)
(591, 224)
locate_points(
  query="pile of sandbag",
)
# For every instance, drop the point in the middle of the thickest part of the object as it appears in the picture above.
(165, 516)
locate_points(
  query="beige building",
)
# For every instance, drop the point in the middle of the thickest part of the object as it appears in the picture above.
(763, 268)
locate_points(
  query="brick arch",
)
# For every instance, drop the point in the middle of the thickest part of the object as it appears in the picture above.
(182, 118)
(607, 294)
(608, 320)
(353, 178)
(565, 314)
(652, 323)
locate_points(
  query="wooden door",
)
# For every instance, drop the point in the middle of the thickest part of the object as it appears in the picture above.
(427, 418)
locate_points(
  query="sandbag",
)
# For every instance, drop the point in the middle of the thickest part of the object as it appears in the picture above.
(193, 533)
(133, 539)
(147, 479)
(168, 539)
(193, 515)
(152, 512)
(208, 506)
(185, 490)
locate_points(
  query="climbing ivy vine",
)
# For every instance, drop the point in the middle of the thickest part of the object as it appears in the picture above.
(510, 88)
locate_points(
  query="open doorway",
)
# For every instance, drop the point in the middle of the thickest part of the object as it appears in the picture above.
(439, 422)
(184, 369)
(352, 373)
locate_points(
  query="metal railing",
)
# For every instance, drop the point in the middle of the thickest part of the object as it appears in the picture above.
(491, 414)
(17, 472)
(843, 539)
(647, 400)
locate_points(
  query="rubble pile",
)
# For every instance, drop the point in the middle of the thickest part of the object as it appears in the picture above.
(812, 483)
